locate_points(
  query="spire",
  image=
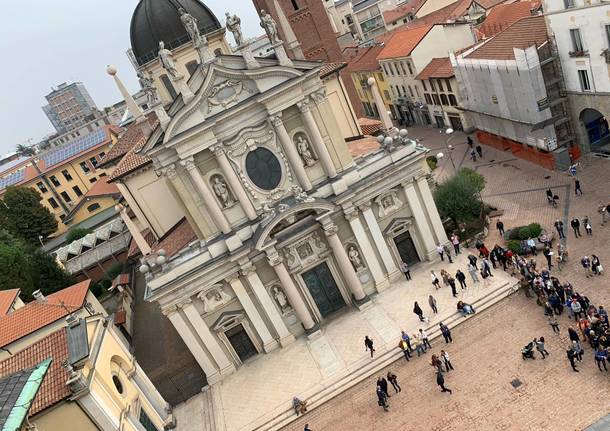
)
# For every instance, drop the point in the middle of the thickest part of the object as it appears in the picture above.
(132, 106)
(291, 40)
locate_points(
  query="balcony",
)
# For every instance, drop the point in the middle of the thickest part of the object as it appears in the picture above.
(575, 54)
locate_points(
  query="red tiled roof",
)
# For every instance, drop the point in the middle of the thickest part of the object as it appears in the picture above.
(53, 388)
(522, 34)
(132, 137)
(369, 126)
(488, 4)
(365, 59)
(363, 146)
(133, 247)
(176, 238)
(7, 299)
(403, 42)
(130, 162)
(437, 68)
(328, 68)
(450, 12)
(35, 315)
(503, 16)
(102, 187)
(402, 10)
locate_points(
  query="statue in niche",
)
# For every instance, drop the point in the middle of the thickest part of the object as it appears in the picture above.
(270, 27)
(354, 257)
(146, 83)
(190, 24)
(167, 61)
(214, 299)
(233, 24)
(280, 298)
(305, 152)
(222, 192)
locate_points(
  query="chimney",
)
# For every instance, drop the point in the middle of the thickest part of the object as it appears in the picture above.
(39, 297)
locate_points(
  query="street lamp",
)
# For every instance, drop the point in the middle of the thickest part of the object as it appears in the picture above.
(388, 143)
(450, 148)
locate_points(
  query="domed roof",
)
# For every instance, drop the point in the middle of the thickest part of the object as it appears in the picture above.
(159, 20)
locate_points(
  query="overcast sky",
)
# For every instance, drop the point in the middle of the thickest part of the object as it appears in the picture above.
(46, 42)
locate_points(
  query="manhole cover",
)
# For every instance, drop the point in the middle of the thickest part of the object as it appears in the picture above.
(547, 177)
(516, 383)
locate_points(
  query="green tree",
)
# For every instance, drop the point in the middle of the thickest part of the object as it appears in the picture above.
(458, 198)
(22, 214)
(25, 151)
(77, 233)
(474, 177)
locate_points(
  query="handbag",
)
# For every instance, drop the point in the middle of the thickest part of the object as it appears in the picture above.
(600, 268)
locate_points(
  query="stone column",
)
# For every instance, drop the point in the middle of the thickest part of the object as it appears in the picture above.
(435, 218)
(291, 152)
(366, 248)
(133, 230)
(209, 200)
(234, 182)
(269, 343)
(316, 139)
(420, 219)
(268, 305)
(300, 308)
(379, 240)
(207, 338)
(345, 266)
(383, 111)
(193, 343)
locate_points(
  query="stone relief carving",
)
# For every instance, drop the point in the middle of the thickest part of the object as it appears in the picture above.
(354, 257)
(225, 93)
(304, 148)
(280, 299)
(304, 251)
(222, 191)
(214, 298)
(388, 203)
(301, 196)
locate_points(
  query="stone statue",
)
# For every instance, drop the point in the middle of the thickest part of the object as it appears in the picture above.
(305, 151)
(270, 27)
(300, 195)
(214, 298)
(146, 83)
(233, 24)
(280, 298)
(167, 61)
(221, 190)
(354, 257)
(190, 24)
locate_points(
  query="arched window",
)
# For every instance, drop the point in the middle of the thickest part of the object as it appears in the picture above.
(444, 100)
(452, 100)
(93, 207)
(117, 384)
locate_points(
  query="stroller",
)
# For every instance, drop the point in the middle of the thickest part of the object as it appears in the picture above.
(528, 351)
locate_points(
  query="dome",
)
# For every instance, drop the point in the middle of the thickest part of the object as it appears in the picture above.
(159, 20)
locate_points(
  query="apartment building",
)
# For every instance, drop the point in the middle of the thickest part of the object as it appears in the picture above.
(69, 106)
(368, 14)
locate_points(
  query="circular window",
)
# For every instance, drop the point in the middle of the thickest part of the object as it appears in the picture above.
(117, 383)
(263, 168)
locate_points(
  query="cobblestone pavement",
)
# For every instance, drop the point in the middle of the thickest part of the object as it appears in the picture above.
(486, 349)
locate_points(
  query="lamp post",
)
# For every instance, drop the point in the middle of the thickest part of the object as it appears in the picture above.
(450, 148)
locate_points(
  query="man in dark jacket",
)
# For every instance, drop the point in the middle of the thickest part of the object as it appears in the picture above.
(440, 380)
(575, 223)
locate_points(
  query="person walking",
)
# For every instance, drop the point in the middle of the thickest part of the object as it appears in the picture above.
(571, 357)
(473, 261)
(441, 251)
(307, 428)
(577, 189)
(559, 227)
(451, 282)
(446, 332)
(587, 224)
(602, 209)
(455, 240)
(540, 347)
(577, 310)
(432, 303)
(596, 265)
(417, 310)
(575, 223)
(419, 347)
(423, 337)
(404, 267)
(405, 337)
(461, 277)
(548, 255)
(394, 381)
(383, 384)
(447, 251)
(382, 399)
(435, 281)
(480, 151)
(470, 142)
(473, 155)
(487, 267)
(440, 381)
(446, 360)
(402, 344)
(586, 264)
(368, 345)
(554, 324)
(472, 270)
(577, 348)
(600, 357)
(500, 227)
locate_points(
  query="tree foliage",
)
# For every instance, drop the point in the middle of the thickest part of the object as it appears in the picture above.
(27, 268)
(77, 233)
(24, 150)
(458, 198)
(22, 214)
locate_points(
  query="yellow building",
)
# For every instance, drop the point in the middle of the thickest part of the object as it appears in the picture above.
(64, 175)
(363, 66)
(93, 381)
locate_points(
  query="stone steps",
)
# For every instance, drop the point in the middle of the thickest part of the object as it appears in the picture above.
(360, 370)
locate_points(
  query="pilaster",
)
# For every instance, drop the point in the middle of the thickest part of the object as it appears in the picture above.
(420, 219)
(379, 240)
(316, 139)
(291, 152)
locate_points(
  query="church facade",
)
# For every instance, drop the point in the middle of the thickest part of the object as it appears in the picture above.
(287, 227)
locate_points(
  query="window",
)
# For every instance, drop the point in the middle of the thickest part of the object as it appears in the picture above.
(66, 175)
(410, 91)
(410, 70)
(583, 77)
(386, 94)
(424, 84)
(66, 196)
(168, 86)
(93, 207)
(436, 99)
(391, 68)
(452, 100)
(92, 180)
(93, 161)
(263, 168)
(62, 217)
(568, 3)
(191, 67)
(380, 77)
(147, 424)
(448, 85)
(402, 68)
(102, 174)
(53, 203)
(85, 167)
(440, 85)
(54, 180)
(41, 187)
(404, 90)
(101, 155)
(385, 69)
(77, 191)
(431, 82)
(417, 91)
(428, 99)
(444, 100)
(117, 384)
(576, 40)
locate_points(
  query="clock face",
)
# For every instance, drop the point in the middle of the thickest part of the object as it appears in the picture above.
(263, 168)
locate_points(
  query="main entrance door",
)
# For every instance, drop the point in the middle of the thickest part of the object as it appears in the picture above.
(241, 342)
(406, 248)
(323, 289)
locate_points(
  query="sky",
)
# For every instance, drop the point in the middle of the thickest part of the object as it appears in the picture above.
(46, 42)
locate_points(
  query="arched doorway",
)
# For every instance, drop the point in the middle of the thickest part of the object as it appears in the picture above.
(596, 127)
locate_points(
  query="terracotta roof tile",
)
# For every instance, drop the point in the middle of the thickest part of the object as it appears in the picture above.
(35, 315)
(176, 238)
(365, 59)
(131, 137)
(522, 34)
(403, 42)
(488, 4)
(437, 68)
(504, 15)
(133, 246)
(130, 162)
(53, 388)
(402, 10)
(7, 299)
(102, 187)
(369, 126)
(363, 146)
(328, 68)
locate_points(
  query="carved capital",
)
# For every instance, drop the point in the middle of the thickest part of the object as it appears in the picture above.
(351, 213)
(188, 163)
(330, 229)
(217, 149)
(365, 206)
(184, 303)
(169, 171)
(232, 277)
(274, 257)
(303, 106)
(171, 309)
(276, 120)
(247, 269)
(319, 96)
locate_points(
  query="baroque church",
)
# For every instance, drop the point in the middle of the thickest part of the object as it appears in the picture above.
(255, 222)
